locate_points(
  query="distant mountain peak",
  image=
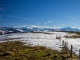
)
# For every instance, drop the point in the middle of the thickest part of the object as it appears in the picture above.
(39, 29)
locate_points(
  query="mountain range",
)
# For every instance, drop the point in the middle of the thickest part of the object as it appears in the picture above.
(36, 29)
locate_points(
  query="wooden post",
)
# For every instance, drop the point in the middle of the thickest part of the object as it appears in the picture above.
(71, 51)
(56, 36)
(63, 42)
(79, 53)
(59, 39)
(66, 47)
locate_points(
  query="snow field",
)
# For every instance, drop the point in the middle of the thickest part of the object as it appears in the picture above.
(48, 40)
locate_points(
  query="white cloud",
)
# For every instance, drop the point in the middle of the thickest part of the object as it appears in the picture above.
(57, 27)
(34, 26)
(30, 26)
(49, 21)
(40, 26)
(72, 18)
(1, 9)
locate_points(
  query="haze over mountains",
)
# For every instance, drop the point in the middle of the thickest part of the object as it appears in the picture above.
(36, 29)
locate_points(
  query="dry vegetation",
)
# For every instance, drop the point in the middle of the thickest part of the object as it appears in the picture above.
(18, 51)
(48, 33)
(73, 36)
(76, 35)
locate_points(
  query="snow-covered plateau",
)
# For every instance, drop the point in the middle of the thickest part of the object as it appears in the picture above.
(47, 39)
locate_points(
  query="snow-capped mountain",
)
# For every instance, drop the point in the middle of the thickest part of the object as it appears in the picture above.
(33, 29)
(70, 29)
(8, 30)
(36, 29)
(39, 29)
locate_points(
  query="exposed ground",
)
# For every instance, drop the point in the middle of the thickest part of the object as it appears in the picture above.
(47, 39)
(18, 51)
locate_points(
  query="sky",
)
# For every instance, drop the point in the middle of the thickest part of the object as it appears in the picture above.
(53, 13)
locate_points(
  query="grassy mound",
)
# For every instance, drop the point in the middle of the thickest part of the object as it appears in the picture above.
(18, 51)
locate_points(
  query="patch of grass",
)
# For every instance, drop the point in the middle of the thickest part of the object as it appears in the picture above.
(18, 51)
(73, 36)
(78, 33)
(48, 33)
(37, 32)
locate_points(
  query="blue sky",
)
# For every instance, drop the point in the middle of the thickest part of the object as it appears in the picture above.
(55, 13)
